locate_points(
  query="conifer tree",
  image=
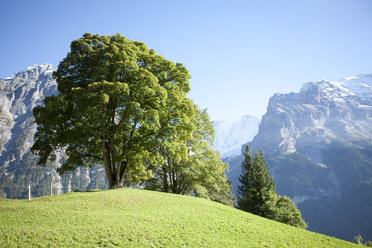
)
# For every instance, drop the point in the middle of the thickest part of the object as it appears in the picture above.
(257, 193)
(257, 185)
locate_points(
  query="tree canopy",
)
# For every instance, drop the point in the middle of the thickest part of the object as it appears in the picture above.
(124, 106)
(112, 93)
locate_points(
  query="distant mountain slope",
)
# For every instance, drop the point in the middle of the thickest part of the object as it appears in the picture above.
(318, 144)
(19, 94)
(232, 132)
(140, 218)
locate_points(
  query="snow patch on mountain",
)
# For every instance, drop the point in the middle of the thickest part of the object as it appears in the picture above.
(360, 85)
(344, 90)
(46, 69)
(233, 132)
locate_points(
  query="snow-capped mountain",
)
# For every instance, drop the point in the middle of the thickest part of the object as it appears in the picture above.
(19, 94)
(360, 85)
(318, 144)
(233, 132)
(320, 113)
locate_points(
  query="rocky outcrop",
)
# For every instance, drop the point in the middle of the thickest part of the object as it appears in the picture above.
(19, 94)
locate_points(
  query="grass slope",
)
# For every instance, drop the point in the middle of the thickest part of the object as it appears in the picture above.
(140, 218)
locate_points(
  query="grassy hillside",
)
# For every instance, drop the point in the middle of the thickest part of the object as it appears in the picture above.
(139, 218)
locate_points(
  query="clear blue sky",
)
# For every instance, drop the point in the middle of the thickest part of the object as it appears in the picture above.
(239, 53)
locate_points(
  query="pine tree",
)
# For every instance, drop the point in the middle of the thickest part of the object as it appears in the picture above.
(244, 196)
(257, 193)
(257, 185)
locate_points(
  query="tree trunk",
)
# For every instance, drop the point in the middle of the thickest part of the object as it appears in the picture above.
(107, 162)
(114, 169)
(174, 182)
(165, 180)
(123, 168)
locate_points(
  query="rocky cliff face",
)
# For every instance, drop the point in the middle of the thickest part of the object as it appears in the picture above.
(19, 94)
(318, 144)
(321, 113)
(232, 132)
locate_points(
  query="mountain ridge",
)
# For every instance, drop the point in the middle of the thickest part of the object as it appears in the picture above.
(303, 136)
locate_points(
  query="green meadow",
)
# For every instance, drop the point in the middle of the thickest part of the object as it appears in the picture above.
(139, 218)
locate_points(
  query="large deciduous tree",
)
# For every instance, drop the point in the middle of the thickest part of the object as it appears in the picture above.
(113, 94)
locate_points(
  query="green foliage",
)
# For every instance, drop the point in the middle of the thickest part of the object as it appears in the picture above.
(209, 177)
(368, 243)
(140, 218)
(283, 209)
(359, 240)
(257, 193)
(190, 165)
(113, 93)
